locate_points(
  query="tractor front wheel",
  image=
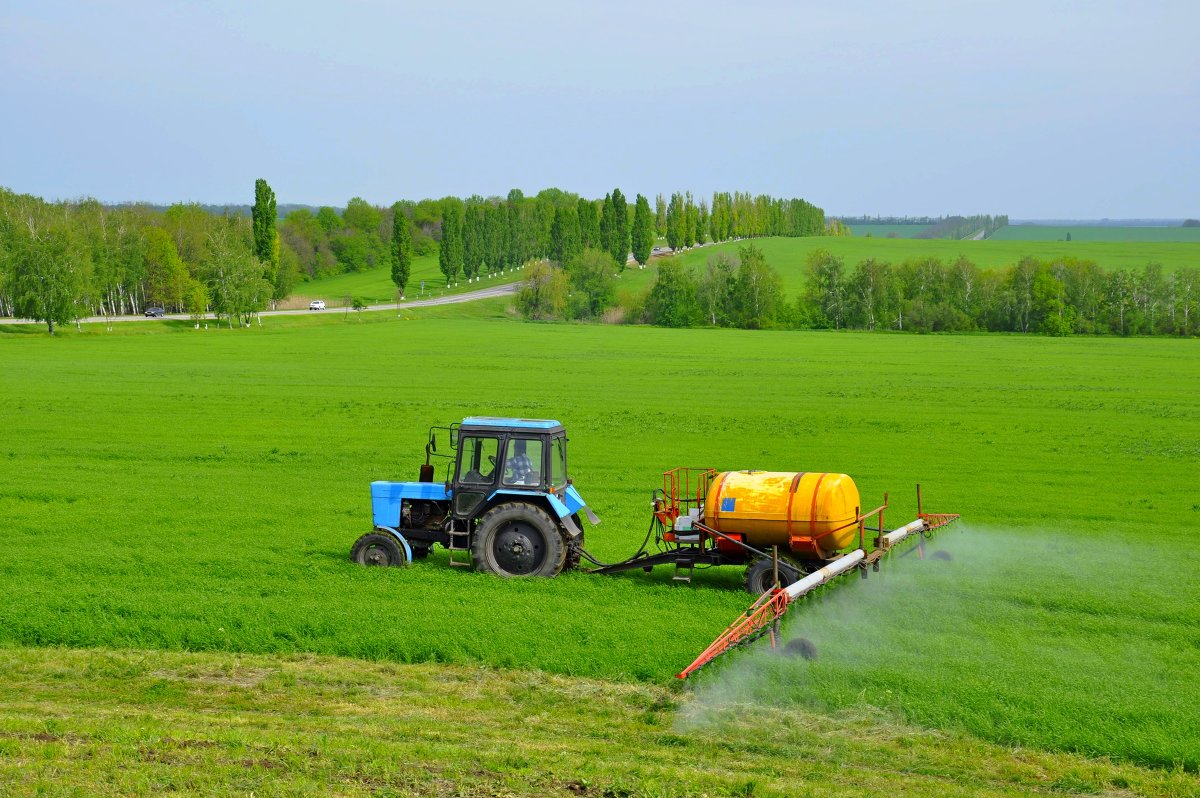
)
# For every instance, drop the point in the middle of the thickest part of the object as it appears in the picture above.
(377, 548)
(760, 576)
(518, 539)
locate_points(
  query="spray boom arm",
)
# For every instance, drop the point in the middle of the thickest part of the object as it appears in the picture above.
(763, 616)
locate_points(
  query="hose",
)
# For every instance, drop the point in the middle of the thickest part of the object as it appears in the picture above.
(641, 552)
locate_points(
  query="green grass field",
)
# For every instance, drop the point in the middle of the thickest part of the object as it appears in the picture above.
(1089, 233)
(887, 230)
(787, 255)
(181, 490)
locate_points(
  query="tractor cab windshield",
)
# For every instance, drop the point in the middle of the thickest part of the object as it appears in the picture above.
(477, 465)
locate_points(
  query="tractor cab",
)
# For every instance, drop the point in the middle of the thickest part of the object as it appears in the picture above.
(509, 455)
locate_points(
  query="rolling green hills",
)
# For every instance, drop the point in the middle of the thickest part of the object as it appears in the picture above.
(172, 489)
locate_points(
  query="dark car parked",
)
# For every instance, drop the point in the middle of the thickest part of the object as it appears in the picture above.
(155, 313)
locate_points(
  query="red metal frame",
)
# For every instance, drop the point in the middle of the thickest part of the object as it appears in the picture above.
(678, 496)
(754, 622)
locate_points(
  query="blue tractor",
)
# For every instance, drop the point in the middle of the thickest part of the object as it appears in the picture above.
(506, 504)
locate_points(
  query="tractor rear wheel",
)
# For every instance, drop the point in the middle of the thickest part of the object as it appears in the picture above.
(760, 576)
(518, 539)
(377, 548)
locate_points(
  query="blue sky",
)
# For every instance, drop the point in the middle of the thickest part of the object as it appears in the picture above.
(1076, 110)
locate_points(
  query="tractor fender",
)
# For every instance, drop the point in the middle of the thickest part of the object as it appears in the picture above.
(399, 539)
(575, 503)
(560, 509)
(546, 500)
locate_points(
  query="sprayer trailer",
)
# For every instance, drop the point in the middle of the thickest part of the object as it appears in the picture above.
(505, 505)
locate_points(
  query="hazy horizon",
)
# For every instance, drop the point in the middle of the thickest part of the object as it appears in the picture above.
(1036, 110)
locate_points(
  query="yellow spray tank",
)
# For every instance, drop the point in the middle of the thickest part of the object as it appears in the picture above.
(812, 514)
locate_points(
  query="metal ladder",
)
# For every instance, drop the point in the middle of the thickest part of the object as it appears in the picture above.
(459, 541)
(687, 565)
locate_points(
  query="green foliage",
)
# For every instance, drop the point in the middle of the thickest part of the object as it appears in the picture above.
(742, 293)
(589, 223)
(195, 299)
(233, 277)
(266, 241)
(288, 273)
(676, 220)
(824, 294)
(329, 220)
(591, 279)
(50, 273)
(543, 294)
(362, 216)
(672, 301)
(166, 276)
(450, 253)
(618, 245)
(642, 233)
(565, 242)
(402, 248)
(757, 293)
(355, 251)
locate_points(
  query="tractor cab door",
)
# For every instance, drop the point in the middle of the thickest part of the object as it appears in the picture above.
(525, 463)
(478, 469)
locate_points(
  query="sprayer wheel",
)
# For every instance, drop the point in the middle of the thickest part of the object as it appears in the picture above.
(377, 548)
(760, 576)
(518, 539)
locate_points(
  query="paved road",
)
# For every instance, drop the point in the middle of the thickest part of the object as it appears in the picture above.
(451, 299)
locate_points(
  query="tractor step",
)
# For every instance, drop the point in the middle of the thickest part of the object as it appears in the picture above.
(460, 540)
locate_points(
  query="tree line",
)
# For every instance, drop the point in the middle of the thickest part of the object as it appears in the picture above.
(1054, 297)
(60, 261)
(64, 260)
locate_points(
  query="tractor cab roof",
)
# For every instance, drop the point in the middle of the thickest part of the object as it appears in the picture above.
(494, 423)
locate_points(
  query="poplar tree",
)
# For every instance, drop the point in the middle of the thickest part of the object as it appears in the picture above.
(266, 241)
(642, 234)
(607, 228)
(450, 253)
(620, 231)
(401, 248)
(564, 235)
(589, 223)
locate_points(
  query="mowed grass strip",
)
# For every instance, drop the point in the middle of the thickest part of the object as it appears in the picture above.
(146, 722)
(375, 286)
(200, 490)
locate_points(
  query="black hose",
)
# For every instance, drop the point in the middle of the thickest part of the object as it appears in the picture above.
(641, 552)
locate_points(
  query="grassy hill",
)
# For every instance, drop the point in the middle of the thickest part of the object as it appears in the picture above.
(213, 481)
(787, 256)
(376, 286)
